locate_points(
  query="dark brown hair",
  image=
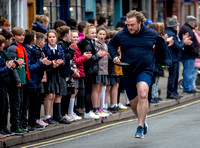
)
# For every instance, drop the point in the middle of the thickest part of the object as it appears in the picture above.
(62, 31)
(7, 34)
(101, 28)
(29, 36)
(59, 23)
(81, 26)
(40, 36)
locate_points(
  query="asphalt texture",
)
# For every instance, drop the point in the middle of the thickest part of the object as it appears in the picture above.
(172, 127)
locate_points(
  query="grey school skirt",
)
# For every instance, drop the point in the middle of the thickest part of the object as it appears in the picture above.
(79, 83)
(113, 80)
(101, 79)
(54, 86)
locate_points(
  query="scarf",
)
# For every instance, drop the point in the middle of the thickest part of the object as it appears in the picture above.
(21, 53)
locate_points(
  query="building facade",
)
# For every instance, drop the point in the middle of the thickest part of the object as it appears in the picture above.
(15, 11)
(22, 12)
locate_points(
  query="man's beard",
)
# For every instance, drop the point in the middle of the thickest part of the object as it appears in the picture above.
(136, 31)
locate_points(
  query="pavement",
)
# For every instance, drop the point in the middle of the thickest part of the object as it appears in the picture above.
(51, 131)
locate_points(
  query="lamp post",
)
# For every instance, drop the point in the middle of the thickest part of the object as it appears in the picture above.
(50, 5)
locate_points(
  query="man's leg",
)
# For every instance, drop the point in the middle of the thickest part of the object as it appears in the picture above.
(188, 73)
(134, 103)
(142, 106)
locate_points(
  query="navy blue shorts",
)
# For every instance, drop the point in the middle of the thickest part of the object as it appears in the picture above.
(130, 83)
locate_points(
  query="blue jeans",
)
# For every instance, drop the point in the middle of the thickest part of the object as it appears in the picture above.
(188, 74)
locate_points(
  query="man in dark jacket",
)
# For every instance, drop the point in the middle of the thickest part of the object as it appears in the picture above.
(189, 54)
(137, 44)
(174, 50)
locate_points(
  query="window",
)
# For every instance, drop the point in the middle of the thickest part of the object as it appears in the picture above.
(105, 8)
(52, 10)
(77, 9)
(4, 10)
(159, 11)
(12, 10)
(146, 8)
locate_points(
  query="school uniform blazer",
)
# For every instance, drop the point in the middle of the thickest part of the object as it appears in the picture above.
(65, 71)
(3, 71)
(34, 66)
(47, 52)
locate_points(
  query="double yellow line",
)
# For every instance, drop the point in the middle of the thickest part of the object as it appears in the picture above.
(99, 129)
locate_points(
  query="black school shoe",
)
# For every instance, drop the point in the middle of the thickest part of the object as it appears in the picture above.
(7, 132)
(38, 126)
(50, 121)
(28, 128)
(64, 121)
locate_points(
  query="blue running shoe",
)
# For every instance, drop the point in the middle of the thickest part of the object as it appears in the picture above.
(145, 127)
(139, 133)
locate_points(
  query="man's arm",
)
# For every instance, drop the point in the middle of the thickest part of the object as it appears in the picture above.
(113, 48)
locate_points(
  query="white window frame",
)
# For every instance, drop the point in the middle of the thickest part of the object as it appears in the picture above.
(21, 13)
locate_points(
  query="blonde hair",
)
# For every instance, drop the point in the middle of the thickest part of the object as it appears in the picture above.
(161, 28)
(43, 19)
(112, 33)
(2, 39)
(18, 31)
(138, 15)
(87, 28)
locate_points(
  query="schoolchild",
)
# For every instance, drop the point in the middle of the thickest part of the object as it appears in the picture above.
(101, 78)
(66, 71)
(15, 91)
(30, 88)
(40, 24)
(40, 41)
(6, 65)
(55, 85)
(90, 68)
(77, 74)
(79, 81)
(112, 88)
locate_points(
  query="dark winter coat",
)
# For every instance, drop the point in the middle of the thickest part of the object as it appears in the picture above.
(177, 47)
(39, 27)
(190, 51)
(3, 71)
(34, 66)
(68, 54)
(91, 66)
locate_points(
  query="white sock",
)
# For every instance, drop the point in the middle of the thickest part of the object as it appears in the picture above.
(106, 105)
(102, 97)
(112, 105)
(47, 117)
(71, 106)
(127, 100)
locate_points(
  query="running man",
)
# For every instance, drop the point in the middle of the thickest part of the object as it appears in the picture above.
(137, 49)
